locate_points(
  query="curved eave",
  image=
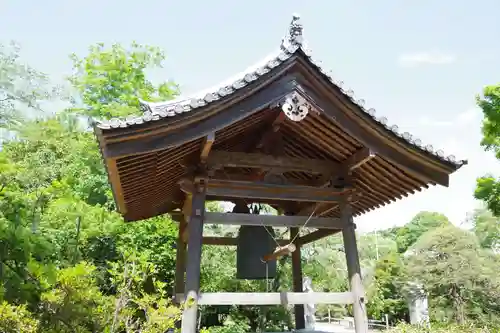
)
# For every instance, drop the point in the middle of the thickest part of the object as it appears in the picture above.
(165, 111)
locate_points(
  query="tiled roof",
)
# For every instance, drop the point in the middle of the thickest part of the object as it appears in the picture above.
(291, 44)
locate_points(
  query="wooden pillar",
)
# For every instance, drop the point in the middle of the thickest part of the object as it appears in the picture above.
(180, 256)
(180, 260)
(195, 237)
(300, 322)
(354, 269)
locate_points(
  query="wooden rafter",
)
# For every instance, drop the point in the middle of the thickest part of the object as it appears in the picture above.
(269, 135)
(324, 95)
(206, 147)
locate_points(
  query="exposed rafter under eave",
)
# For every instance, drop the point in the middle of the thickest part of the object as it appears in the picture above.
(289, 72)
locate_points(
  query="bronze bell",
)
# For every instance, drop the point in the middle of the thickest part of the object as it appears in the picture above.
(254, 242)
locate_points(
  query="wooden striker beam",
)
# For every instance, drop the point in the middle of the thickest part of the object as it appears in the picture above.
(279, 252)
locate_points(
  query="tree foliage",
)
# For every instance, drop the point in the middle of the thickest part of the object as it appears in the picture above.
(110, 81)
(488, 186)
(70, 264)
(459, 276)
(408, 234)
(487, 228)
(22, 88)
(65, 254)
(385, 294)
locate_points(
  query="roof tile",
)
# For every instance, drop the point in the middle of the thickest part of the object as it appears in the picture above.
(293, 42)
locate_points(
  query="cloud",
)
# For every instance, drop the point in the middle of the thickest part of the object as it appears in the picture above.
(425, 58)
(464, 118)
(427, 121)
(468, 116)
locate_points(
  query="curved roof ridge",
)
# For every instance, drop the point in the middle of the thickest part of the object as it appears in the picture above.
(290, 44)
(202, 93)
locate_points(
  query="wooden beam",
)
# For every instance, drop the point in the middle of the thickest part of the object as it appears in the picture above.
(322, 208)
(180, 260)
(262, 161)
(186, 214)
(354, 269)
(206, 147)
(250, 190)
(283, 298)
(348, 165)
(279, 252)
(193, 263)
(359, 158)
(297, 280)
(254, 177)
(230, 241)
(316, 235)
(274, 128)
(116, 186)
(272, 220)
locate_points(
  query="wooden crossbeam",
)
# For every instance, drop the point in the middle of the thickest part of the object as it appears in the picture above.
(230, 241)
(254, 177)
(272, 220)
(257, 190)
(323, 208)
(347, 166)
(350, 164)
(283, 298)
(316, 235)
(263, 161)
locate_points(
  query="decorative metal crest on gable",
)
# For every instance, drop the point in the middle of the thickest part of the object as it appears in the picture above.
(293, 37)
(295, 107)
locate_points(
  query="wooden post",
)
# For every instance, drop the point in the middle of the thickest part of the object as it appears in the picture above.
(300, 322)
(192, 288)
(180, 260)
(353, 268)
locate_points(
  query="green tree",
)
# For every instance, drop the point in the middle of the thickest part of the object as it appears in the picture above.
(56, 210)
(110, 81)
(22, 88)
(407, 235)
(458, 275)
(15, 319)
(385, 294)
(488, 186)
(487, 228)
